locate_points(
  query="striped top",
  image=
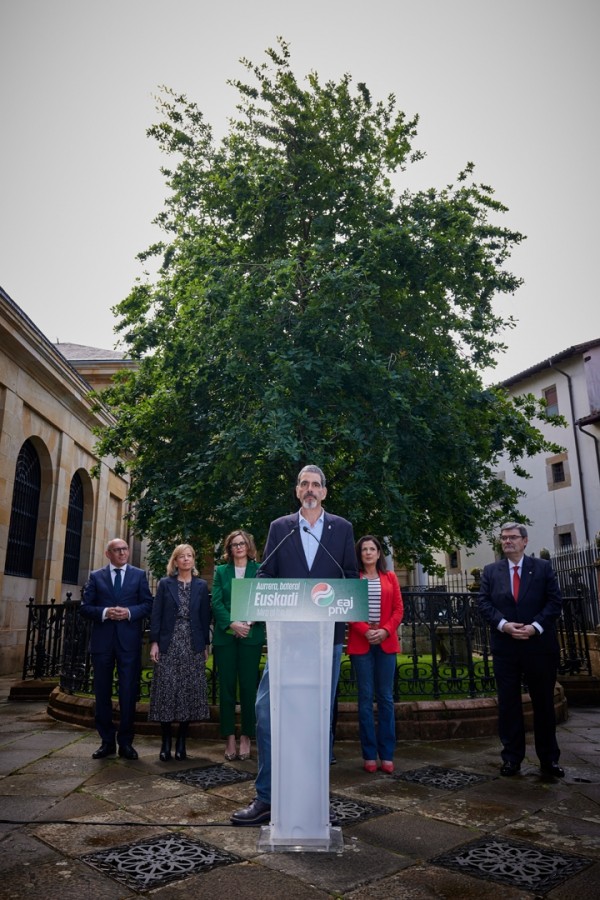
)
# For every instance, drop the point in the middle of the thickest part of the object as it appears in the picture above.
(374, 592)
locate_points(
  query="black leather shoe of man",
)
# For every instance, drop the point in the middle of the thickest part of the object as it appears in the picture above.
(258, 813)
(551, 770)
(128, 752)
(103, 750)
(510, 768)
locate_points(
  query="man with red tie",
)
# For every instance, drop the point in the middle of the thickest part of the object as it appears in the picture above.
(521, 601)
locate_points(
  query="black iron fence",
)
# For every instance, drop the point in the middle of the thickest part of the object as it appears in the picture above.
(445, 648)
(577, 572)
(44, 641)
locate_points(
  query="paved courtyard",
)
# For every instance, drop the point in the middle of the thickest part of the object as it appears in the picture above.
(445, 825)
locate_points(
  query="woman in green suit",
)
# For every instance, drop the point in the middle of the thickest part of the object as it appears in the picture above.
(237, 646)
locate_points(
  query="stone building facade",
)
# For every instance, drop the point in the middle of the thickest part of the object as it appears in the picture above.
(55, 519)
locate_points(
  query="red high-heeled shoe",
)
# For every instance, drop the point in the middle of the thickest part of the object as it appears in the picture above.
(370, 766)
(387, 767)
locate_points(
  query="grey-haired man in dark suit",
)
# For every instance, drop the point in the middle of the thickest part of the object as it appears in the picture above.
(521, 601)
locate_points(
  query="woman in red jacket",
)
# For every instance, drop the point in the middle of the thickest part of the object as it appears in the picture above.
(372, 647)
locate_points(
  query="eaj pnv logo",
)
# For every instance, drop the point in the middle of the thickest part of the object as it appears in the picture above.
(322, 594)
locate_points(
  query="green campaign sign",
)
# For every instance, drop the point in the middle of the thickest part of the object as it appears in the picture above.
(299, 600)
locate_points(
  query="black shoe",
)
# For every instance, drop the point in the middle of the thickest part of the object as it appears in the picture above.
(256, 814)
(105, 749)
(180, 751)
(165, 749)
(128, 751)
(510, 768)
(551, 770)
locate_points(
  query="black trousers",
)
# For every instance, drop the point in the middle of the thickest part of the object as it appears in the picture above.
(539, 673)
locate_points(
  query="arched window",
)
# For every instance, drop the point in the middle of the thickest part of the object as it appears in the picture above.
(24, 513)
(70, 573)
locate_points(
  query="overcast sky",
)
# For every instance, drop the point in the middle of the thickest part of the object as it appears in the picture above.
(511, 85)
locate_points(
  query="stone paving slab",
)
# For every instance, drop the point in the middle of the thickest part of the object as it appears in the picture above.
(25, 809)
(566, 833)
(240, 793)
(339, 873)
(55, 766)
(65, 879)
(432, 883)
(241, 841)
(77, 805)
(409, 835)
(27, 785)
(480, 811)
(18, 756)
(578, 806)
(20, 850)
(111, 771)
(241, 881)
(591, 791)
(129, 791)
(585, 886)
(107, 830)
(391, 792)
(38, 740)
(192, 809)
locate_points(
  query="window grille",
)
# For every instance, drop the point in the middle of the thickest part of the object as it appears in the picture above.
(558, 472)
(70, 573)
(24, 513)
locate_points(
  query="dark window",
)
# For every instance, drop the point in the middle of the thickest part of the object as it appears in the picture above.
(565, 540)
(551, 397)
(24, 513)
(70, 573)
(453, 559)
(558, 472)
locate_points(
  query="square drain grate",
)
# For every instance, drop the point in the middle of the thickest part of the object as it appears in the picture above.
(149, 863)
(447, 779)
(346, 811)
(210, 776)
(510, 862)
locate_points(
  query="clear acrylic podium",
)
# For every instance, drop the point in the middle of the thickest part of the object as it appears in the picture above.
(300, 616)
(300, 662)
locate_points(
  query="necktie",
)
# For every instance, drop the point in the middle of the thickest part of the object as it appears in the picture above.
(516, 583)
(117, 583)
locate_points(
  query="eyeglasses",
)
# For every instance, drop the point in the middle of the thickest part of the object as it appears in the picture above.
(119, 549)
(511, 537)
(238, 544)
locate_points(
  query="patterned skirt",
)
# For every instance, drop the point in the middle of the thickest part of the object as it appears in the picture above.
(178, 692)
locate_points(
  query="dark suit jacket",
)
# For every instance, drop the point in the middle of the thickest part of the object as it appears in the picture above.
(98, 593)
(290, 562)
(164, 613)
(539, 601)
(221, 606)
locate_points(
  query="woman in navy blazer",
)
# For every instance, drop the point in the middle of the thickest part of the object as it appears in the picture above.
(179, 635)
(372, 647)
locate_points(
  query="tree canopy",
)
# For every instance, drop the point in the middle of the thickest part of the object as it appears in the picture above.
(309, 310)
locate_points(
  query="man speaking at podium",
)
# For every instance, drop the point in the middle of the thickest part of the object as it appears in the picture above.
(311, 543)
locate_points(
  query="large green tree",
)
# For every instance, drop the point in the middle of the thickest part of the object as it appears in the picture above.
(307, 309)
